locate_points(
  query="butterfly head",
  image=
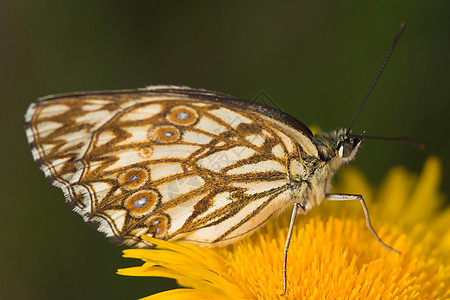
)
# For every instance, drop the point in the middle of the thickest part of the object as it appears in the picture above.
(338, 146)
(348, 146)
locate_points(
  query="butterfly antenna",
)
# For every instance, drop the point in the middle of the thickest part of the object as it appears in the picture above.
(416, 143)
(394, 43)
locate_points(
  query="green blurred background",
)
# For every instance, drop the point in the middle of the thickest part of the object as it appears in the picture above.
(316, 60)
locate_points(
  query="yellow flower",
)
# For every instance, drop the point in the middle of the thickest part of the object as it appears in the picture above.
(332, 254)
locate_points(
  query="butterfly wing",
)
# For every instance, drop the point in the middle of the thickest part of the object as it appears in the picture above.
(168, 162)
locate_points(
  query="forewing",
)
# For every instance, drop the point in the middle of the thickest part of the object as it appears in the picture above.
(172, 163)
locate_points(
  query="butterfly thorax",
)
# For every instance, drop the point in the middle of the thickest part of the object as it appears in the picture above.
(335, 149)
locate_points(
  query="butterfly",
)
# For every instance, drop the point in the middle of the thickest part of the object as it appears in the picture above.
(177, 163)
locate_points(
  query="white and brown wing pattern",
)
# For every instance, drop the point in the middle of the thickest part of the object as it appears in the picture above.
(168, 162)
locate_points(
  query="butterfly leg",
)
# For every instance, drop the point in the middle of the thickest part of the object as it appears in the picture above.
(288, 242)
(346, 197)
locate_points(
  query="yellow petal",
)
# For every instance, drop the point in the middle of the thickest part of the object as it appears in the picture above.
(426, 187)
(183, 294)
